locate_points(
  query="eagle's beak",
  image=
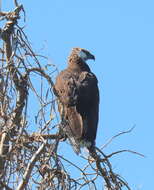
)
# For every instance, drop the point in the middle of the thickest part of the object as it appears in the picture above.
(90, 56)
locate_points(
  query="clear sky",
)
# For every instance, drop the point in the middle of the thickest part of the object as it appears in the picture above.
(120, 33)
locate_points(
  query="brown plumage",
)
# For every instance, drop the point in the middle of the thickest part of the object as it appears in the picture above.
(78, 100)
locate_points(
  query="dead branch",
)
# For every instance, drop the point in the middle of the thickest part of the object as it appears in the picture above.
(20, 84)
(39, 70)
(120, 151)
(3, 185)
(117, 135)
(30, 166)
(16, 3)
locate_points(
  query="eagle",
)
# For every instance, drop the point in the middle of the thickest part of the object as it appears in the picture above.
(77, 92)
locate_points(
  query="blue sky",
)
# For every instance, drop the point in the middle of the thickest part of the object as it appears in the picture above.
(120, 33)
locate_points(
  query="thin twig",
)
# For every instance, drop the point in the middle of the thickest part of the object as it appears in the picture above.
(120, 151)
(119, 134)
(16, 3)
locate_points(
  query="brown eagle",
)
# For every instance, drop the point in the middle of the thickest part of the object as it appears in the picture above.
(78, 100)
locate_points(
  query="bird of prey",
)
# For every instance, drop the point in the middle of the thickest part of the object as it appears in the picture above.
(77, 91)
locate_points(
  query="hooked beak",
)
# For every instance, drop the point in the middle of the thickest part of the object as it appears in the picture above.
(90, 56)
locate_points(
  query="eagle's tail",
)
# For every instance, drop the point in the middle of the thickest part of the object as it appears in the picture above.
(75, 145)
(71, 138)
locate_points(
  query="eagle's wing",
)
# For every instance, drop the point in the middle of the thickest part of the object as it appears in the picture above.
(87, 83)
(89, 104)
(66, 90)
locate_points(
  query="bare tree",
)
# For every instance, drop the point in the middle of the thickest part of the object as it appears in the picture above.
(29, 124)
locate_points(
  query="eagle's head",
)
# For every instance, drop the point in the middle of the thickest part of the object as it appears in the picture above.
(79, 54)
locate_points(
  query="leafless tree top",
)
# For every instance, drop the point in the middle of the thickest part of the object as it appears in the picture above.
(29, 123)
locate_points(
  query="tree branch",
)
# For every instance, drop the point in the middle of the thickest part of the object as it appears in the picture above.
(21, 85)
(30, 166)
(119, 134)
(16, 3)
